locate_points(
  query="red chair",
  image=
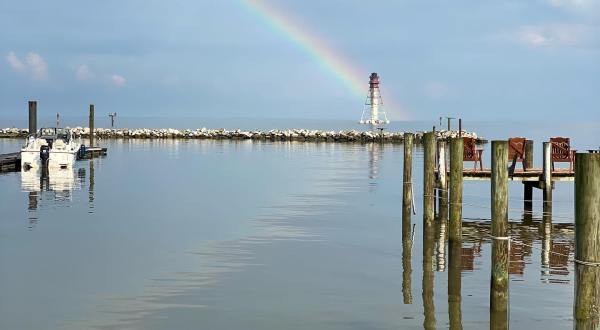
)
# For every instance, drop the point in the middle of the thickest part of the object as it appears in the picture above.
(561, 151)
(516, 152)
(471, 153)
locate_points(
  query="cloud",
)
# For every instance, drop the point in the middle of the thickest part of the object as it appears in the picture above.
(15, 62)
(37, 66)
(84, 73)
(118, 80)
(33, 64)
(436, 90)
(552, 35)
(575, 5)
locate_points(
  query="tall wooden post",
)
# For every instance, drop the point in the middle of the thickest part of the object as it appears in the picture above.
(456, 189)
(500, 241)
(547, 172)
(449, 119)
(32, 117)
(460, 127)
(528, 186)
(428, 178)
(443, 182)
(407, 189)
(528, 154)
(407, 244)
(407, 202)
(587, 249)
(91, 125)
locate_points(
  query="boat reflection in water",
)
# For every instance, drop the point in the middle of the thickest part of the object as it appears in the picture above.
(55, 185)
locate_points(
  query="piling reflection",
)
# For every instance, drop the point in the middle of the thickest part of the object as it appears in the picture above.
(428, 277)
(553, 242)
(407, 243)
(91, 187)
(455, 251)
(440, 248)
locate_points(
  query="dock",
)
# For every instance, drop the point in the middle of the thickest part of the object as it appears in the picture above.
(529, 175)
(10, 162)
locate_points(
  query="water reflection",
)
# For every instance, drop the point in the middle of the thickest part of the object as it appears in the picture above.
(407, 244)
(428, 276)
(455, 264)
(555, 243)
(56, 186)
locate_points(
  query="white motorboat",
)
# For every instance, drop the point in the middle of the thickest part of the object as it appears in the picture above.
(54, 147)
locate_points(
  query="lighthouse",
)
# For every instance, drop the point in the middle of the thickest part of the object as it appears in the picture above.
(373, 112)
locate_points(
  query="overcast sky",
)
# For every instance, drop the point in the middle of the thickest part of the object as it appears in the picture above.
(476, 59)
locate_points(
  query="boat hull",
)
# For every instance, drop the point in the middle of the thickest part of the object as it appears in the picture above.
(57, 159)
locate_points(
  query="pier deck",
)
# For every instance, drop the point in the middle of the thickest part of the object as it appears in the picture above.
(10, 162)
(531, 175)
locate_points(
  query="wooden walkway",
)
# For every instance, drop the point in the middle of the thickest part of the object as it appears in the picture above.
(10, 162)
(532, 175)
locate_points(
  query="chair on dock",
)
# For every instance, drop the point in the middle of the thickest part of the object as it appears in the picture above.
(561, 151)
(516, 152)
(471, 153)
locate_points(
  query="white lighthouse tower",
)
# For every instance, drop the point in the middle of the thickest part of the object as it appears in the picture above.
(373, 112)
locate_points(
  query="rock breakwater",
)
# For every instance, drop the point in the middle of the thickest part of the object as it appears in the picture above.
(223, 134)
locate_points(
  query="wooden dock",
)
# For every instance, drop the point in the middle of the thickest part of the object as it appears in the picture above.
(10, 162)
(530, 175)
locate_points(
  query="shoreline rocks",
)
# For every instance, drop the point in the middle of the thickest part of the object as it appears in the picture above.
(223, 134)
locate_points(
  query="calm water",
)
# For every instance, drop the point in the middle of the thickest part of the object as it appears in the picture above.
(242, 235)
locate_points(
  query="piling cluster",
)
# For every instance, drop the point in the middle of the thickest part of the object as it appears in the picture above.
(223, 134)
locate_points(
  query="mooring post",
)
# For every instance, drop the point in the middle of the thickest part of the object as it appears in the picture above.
(587, 249)
(91, 125)
(407, 189)
(428, 178)
(32, 117)
(547, 172)
(500, 239)
(528, 154)
(443, 182)
(407, 202)
(456, 187)
(407, 244)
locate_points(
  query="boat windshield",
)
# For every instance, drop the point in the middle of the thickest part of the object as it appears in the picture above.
(55, 133)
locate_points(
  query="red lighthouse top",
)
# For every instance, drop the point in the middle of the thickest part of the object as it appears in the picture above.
(374, 80)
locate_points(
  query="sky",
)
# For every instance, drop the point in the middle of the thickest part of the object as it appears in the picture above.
(482, 60)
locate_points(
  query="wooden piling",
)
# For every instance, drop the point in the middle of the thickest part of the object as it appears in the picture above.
(500, 241)
(528, 154)
(407, 202)
(442, 182)
(547, 172)
(91, 119)
(32, 117)
(587, 249)
(428, 178)
(407, 189)
(407, 267)
(456, 187)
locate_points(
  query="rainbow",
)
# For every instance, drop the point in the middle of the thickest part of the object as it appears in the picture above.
(350, 75)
